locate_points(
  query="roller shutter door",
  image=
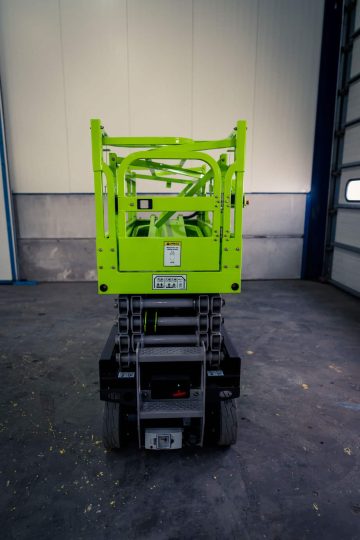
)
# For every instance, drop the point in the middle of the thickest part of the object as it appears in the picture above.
(342, 261)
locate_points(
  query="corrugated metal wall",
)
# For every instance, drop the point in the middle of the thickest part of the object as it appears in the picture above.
(184, 67)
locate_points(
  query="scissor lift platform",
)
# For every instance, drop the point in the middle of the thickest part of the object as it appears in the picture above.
(168, 243)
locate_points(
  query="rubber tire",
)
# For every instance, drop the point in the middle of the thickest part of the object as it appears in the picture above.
(111, 428)
(228, 423)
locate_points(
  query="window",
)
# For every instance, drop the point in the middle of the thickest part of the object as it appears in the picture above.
(352, 191)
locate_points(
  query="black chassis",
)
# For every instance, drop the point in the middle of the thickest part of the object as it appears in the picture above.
(123, 389)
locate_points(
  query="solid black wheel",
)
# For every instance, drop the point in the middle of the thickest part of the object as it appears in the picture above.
(111, 432)
(228, 423)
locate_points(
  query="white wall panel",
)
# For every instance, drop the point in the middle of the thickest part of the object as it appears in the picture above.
(225, 34)
(54, 259)
(351, 145)
(357, 17)
(33, 92)
(355, 58)
(276, 214)
(346, 268)
(272, 258)
(55, 216)
(273, 229)
(288, 56)
(348, 227)
(94, 41)
(73, 216)
(353, 106)
(160, 67)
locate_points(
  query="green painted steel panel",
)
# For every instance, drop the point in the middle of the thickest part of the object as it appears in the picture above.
(187, 241)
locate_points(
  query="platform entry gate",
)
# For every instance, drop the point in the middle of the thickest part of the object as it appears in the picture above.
(342, 256)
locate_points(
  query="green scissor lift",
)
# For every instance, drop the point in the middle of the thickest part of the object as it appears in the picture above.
(168, 243)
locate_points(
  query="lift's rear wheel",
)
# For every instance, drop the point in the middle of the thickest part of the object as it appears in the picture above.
(228, 423)
(111, 432)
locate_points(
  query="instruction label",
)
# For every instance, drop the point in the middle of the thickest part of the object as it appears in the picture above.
(172, 253)
(175, 283)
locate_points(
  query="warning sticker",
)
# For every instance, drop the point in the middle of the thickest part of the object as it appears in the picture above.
(175, 283)
(172, 253)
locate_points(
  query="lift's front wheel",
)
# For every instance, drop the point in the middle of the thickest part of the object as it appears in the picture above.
(111, 432)
(228, 423)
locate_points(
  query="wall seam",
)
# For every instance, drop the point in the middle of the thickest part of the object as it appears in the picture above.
(128, 66)
(245, 236)
(64, 92)
(254, 93)
(192, 73)
(91, 193)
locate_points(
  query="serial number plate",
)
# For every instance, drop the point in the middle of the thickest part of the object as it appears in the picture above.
(166, 282)
(216, 373)
(126, 375)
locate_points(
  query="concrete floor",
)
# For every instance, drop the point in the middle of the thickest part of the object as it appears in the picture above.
(293, 474)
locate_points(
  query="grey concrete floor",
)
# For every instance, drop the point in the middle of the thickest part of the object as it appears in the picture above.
(293, 474)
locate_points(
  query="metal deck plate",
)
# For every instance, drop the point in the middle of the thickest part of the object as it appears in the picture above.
(172, 408)
(171, 354)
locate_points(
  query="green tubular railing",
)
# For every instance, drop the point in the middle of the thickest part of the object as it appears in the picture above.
(200, 225)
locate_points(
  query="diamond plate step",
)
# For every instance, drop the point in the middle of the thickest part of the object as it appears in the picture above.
(172, 408)
(171, 354)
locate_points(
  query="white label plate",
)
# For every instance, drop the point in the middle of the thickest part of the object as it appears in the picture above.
(216, 373)
(166, 282)
(172, 253)
(126, 375)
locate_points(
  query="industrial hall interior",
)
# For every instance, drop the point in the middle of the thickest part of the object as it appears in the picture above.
(180, 269)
